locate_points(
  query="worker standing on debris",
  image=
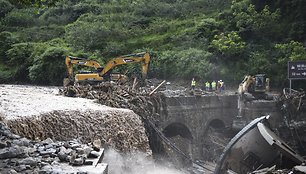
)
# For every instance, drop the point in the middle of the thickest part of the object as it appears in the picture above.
(221, 86)
(213, 85)
(207, 86)
(218, 85)
(193, 84)
(267, 84)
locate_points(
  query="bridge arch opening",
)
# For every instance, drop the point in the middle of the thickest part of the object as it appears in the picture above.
(176, 129)
(216, 124)
(214, 140)
(181, 138)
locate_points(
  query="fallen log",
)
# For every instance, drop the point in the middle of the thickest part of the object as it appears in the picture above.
(157, 87)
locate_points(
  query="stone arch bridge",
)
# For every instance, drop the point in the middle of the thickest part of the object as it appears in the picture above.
(191, 117)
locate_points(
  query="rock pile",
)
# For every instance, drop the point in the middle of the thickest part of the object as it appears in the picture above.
(293, 103)
(21, 155)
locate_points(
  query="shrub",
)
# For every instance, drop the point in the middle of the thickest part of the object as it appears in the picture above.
(228, 44)
(20, 58)
(49, 68)
(183, 64)
(20, 18)
(6, 41)
(5, 7)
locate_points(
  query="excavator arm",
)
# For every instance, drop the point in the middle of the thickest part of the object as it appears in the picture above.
(144, 58)
(69, 67)
(246, 84)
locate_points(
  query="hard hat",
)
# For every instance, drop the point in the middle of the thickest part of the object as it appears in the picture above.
(220, 80)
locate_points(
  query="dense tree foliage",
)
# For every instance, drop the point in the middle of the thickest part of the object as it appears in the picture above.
(205, 39)
(35, 3)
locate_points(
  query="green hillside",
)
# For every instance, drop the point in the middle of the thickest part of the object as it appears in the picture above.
(195, 38)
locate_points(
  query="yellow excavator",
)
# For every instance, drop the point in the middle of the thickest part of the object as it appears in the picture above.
(255, 87)
(103, 73)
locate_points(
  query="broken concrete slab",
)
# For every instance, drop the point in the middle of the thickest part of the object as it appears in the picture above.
(301, 169)
(254, 147)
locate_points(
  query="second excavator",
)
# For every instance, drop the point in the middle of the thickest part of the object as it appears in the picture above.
(255, 87)
(101, 73)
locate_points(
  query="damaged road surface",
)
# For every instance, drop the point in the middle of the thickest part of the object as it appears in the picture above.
(256, 147)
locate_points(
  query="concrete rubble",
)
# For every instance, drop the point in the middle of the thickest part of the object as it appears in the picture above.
(21, 155)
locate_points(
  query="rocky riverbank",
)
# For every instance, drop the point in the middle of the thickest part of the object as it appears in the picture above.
(21, 155)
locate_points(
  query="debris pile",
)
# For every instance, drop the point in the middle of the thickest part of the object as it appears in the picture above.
(272, 170)
(123, 131)
(119, 96)
(213, 144)
(293, 103)
(293, 106)
(21, 155)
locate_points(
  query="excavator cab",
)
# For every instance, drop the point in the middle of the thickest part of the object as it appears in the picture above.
(255, 87)
(260, 83)
(261, 87)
